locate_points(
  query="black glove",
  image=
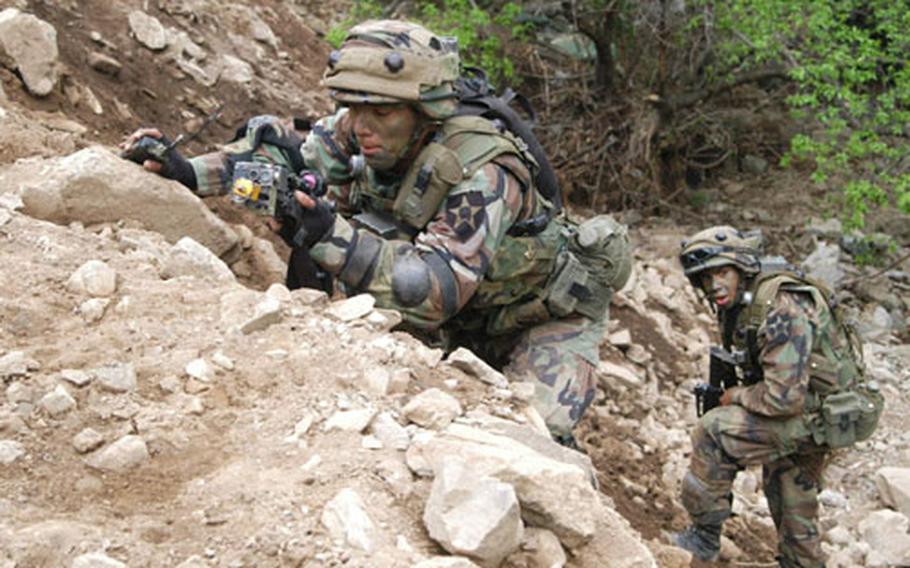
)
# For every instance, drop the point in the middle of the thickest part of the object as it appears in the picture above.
(302, 227)
(173, 165)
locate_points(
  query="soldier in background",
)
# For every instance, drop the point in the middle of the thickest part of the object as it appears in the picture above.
(439, 216)
(802, 394)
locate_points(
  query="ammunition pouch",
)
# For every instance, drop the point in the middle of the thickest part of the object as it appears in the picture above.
(847, 417)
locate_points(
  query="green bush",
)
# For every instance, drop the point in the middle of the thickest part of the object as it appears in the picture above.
(848, 62)
(360, 10)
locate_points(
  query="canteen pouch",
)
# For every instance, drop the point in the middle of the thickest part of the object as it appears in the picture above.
(840, 413)
(850, 416)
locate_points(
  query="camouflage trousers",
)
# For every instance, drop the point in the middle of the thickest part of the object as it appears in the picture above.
(728, 439)
(560, 358)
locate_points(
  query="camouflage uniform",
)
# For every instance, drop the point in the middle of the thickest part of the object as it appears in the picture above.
(456, 264)
(799, 353)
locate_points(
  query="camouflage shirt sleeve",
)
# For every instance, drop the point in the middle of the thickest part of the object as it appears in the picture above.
(328, 149)
(453, 252)
(785, 341)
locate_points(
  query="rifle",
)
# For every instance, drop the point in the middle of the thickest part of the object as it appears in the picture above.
(721, 376)
(269, 188)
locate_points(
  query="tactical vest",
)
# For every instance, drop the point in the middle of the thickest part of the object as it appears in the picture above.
(461, 147)
(835, 362)
(841, 406)
(537, 274)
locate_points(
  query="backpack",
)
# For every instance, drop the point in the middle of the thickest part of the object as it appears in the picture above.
(477, 97)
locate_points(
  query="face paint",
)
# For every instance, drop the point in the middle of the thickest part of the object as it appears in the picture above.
(384, 132)
(721, 284)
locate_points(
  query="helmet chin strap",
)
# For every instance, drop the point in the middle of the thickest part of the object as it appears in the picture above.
(743, 295)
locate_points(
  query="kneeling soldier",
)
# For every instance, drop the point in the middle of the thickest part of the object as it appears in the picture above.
(801, 393)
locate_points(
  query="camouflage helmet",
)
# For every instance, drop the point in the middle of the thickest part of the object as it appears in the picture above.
(391, 61)
(721, 246)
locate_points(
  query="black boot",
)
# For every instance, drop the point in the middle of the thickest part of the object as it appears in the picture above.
(703, 541)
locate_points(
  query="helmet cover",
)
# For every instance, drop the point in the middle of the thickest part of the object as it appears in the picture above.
(392, 61)
(722, 246)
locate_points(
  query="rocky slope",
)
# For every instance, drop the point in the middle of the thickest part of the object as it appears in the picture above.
(169, 403)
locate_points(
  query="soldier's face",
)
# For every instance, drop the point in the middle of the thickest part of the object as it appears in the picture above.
(384, 132)
(721, 284)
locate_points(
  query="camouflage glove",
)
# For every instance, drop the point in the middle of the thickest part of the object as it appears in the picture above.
(302, 227)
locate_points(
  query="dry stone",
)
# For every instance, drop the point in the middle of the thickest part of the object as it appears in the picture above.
(886, 533)
(266, 313)
(148, 30)
(894, 487)
(94, 185)
(118, 378)
(15, 364)
(57, 402)
(236, 70)
(94, 278)
(621, 338)
(265, 262)
(200, 370)
(96, 560)
(29, 46)
(473, 515)
(19, 392)
(445, 562)
(124, 454)
(540, 548)
(87, 440)
(10, 451)
(104, 64)
(615, 545)
(611, 373)
(189, 258)
(671, 556)
(823, 264)
(350, 420)
(390, 432)
(92, 310)
(553, 494)
(464, 359)
(346, 519)
(352, 308)
(432, 409)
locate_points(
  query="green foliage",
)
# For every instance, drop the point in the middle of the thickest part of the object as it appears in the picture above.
(848, 62)
(361, 10)
(476, 28)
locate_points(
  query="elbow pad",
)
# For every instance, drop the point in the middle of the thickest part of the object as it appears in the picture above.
(411, 282)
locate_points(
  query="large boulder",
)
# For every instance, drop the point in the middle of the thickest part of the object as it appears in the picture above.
(473, 515)
(95, 185)
(554, 494)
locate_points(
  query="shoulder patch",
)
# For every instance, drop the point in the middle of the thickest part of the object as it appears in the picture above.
(466, 213)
